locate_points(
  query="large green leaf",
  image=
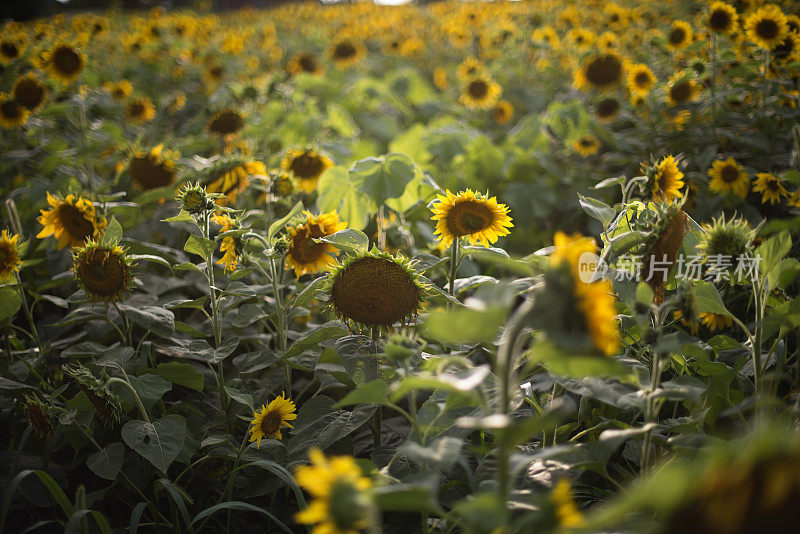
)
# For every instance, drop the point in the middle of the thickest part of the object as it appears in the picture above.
(383, 177)
(182, 374)
(158, 442)
(107, 462)
(336, 192)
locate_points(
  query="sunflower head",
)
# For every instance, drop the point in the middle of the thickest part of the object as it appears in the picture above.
(640, 80)
(607, 109)
(470, 214)
(282, 183)
(106, 403)
(480, 92)
(65, 63)
(679, 36)
(38, 416)
(226, 122)
(153, 169)
(71, 220)
(376, 290)
(664, 242)
(12, 113)
(103, 271)
(731, 239)
(305, 255)
(270, 419)
(229, 177)
(586, 145)
(341, 503)
(11, 251)
(30, 92)
(12, 45)
(232, 246)
(767, 27)
(722, 18)
(139, 110)
(664, 180)
(502, 112)
(600, 71)
(567, 514)
(770, 187)
(119, 90)
(307, 166)
(346, 52)
(728, 176)
(682, 89)
(304, 63)
(193, 199)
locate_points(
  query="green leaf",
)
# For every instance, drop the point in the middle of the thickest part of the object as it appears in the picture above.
(315, 337)
(150, 389)
(348, 240)
(406, 498)
(375, 392)
(159, 442)
(182, 216)
(327, 429)
(597, 209)
(200, 246)
(276, 227)
(336, 192)
(107, 462)
(707, 299)
(465, 325)
(153, 318)
(115, 357)
(113, 232)
(188, 266)
(772, 251)
(10, 302)
(247, 315)
(240, 397)
(310, 291)
(182, 374)
(442, 453)
(383, 177)
(153, 258)
(242, 507)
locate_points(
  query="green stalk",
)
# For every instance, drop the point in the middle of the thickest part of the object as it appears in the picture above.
(215, 324)
(453, 265)
(129, 387)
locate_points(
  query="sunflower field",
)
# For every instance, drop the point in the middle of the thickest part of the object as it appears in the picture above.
(453, 266)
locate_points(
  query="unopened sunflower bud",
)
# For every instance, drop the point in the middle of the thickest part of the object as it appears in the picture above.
(193, 199)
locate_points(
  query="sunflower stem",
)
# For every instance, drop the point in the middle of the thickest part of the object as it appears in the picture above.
(215, 324)
(129, 387)
(453, 266)
(378, 417)
(276, 290)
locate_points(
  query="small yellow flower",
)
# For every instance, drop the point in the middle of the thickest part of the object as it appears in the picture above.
(715, 321)
(268, 422)
(230, 258)
(640, 80)
(586, 145)
(10, 259)
(567, 513)
(140, 110)
(480, 92)
(470, 214)
(770, 187)
(679, 36)
(728, 177)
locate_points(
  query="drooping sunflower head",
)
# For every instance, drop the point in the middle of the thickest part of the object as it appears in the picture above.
(586, 145)
(226, 122)
(679, 36)
(231, 176)
(665, 180)
(640, 80)
(728, 176)
(767, 27)
(270, 419)
(682, 89)
(232, 246)
(770, 187)
(663, 243)
(726, 238)
(11, 251)
(307, 166)
(65, 63)
(722, 18)
(341, 504)
(104, 272)
(153, 169)
(607, 109)
(139, 110)
(282, 183)
(480, 92)
(12, 113)
(470, 214)
(305, 255)
(38, 416)
(502, 112)
(600, 71)
(346, 52)
(106, 403)
(30, 92)
(71, 220)
(306, 62)
(376, 290)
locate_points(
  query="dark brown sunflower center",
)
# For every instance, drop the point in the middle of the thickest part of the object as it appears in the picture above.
(478, 89)
(304, 249)
(772, 185)
(608, 107)
(136, 109)
(677, 36)
(641, 79)
(468, 217)
(271, 422)
(719, 20)
(226, 122)
(216, 72)
(66, 60)
(11, 110)
(614, 18)
(149, 174)
(729, 173)
(102, 273)
(307, 166)
(29, 93)
(681, 92)
(604, 70)
(7, 257)
(73, 221)
(375, 292)
(767, 29)
(308, 63)
(344, 50)
(785, 48)
(9, 49)
(586, 142)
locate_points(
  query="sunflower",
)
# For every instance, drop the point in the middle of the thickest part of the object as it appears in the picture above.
(375, 290)
(640, 80)
(12, 113)
(226, 122)
(594, 300)
(282, 183)
(502, 112)
(567, 514)
(546, 36)
(105, 403)
(11, 47)
(586, 145)
(38, 416)
(480, 92)
(341, 504)
(679, 36)
(682, 89)
(214, 74)
(581, 38)
(600, 71)
(715, 321)
(10, 255)
(666, 181)
(789, 50)
(192, 199)
(731, 239)
(231, 245)
(65, 63)
(304, 254)
(607, 109)
(29, 92)
(153, 169)
(474, 215)
(728, 177)
(232, 177)
(722, 18)
(140, 110)
(307, 166)
(469, 68)
(103, 271)
(304, 63)
(770, 187)
(440, 78)
(72, 221)
(346, 52)
(119, 90)
(766, 27)
(268, 422)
